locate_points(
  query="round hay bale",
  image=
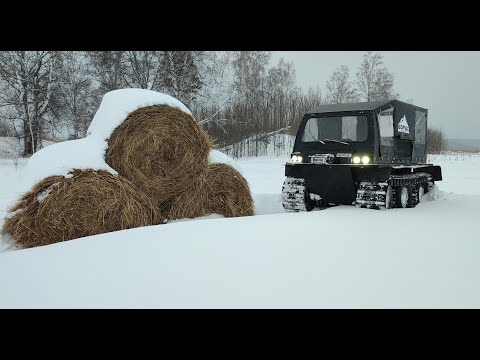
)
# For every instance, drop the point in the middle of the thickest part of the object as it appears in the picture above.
(192, 203)
(20, 222)
(228, 192)
(223, 190)
(87, 203)
(160, 149)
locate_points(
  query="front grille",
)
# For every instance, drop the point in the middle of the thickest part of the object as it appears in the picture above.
(322, 159)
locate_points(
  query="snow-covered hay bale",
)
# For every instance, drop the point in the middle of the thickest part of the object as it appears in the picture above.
(160, 149)
(228, 192)
(191, 203)
(223, 190)
(84, 203)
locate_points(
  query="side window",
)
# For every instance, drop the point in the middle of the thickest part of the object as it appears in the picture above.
(385, 123)
(420, 127)
(311, 130)
(349, 128)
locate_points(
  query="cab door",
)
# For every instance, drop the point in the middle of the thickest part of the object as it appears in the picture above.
(404, 135)
(419, 147)
(386, 132)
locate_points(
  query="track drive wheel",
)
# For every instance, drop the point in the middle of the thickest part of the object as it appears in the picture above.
(403, 196)
(295, 196)
(309, 203)
(422, 190)
(389, 198)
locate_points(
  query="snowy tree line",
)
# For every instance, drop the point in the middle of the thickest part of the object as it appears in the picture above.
(48, 93)
(235, 96)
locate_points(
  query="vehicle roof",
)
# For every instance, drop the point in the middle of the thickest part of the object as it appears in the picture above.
(358, 106)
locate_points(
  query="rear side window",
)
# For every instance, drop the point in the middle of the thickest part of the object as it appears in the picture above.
(420, 127)
(385, 124)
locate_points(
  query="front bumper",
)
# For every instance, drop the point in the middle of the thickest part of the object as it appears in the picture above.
(336, 183)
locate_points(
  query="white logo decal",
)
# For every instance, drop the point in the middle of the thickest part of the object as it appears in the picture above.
(403, 125)
(344, 155)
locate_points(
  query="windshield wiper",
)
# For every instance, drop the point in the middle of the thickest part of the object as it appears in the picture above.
(340, 142)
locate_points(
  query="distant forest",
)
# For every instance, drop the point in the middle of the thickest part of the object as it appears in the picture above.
(472, 145)
(235, 95)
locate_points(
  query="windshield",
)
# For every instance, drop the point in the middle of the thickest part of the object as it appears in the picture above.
(336, 128)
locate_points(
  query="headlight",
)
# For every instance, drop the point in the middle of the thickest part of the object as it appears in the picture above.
(365, 160)
(297, 159)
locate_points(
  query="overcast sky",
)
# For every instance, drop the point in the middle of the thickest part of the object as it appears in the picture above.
(446, 83)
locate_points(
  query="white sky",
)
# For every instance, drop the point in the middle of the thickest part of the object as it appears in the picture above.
(447, 83)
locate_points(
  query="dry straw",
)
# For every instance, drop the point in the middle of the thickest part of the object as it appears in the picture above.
(162, 150)
(87, 203)
(222, 190)
(161, 156)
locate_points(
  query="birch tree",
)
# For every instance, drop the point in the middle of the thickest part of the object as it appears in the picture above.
(374, 81)
(339, 87)
(180, 77)
(76, 94)
(27, 81)
(107, 67)
(250, 71)
(142, 69)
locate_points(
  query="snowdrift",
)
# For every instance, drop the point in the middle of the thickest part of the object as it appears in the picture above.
(321, 259)
(341, 257)
(144, 152)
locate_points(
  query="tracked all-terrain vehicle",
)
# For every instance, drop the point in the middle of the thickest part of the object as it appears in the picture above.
(369, 154)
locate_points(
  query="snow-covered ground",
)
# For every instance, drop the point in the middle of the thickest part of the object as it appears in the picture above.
(342, 257)
(461, 172)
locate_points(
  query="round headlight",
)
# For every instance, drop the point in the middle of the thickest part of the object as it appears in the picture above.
(365, 159)
(356, 159)
(294, 158)
(299, 159)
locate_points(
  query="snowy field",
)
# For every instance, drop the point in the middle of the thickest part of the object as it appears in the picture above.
(342, 257)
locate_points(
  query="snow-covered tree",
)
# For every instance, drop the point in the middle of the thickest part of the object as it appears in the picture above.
(374, 81)
(142, 69)
(76, 101)
(339, 87)
(28, 80)
(250, 72)
(107, 68)
(179, 75)
(5, 128)
(281, 78)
